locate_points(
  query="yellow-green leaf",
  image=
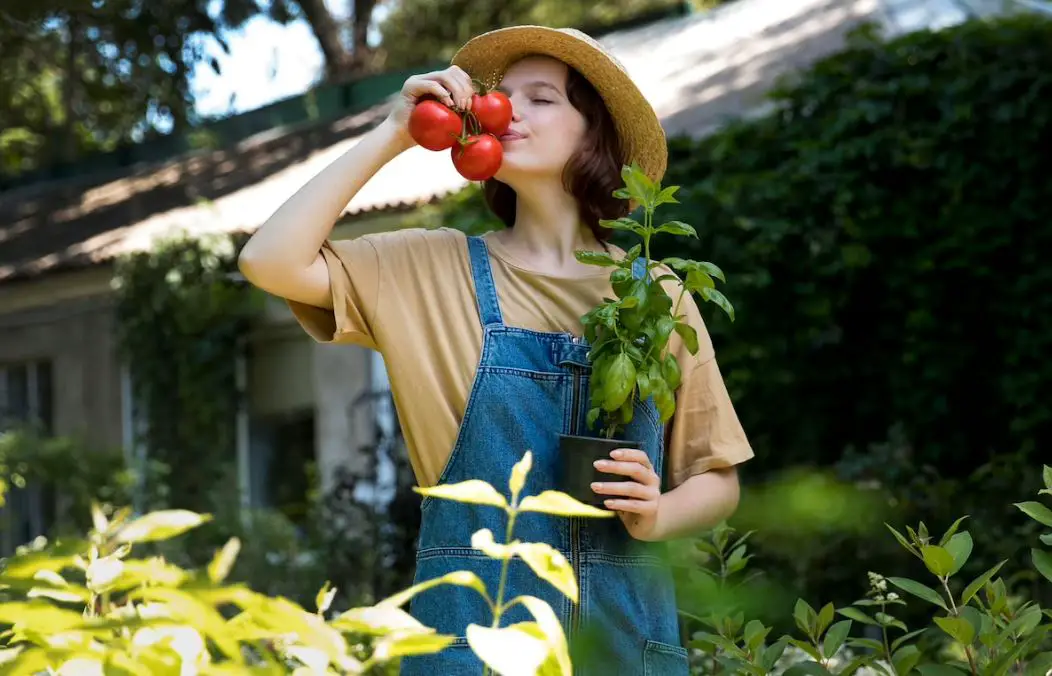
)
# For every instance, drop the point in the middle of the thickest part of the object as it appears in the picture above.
(472, 491)
(81, 666)
(461, 578)
(519, 473)
(1043, 562)
(98, 520)
(161, 525)
(550, 565)
(316, 661)
(618, 381)
(63, 595)
(324, 597)
(483, 541)
(378, 620)
(560, 504)
(552, 629)
(38, 616)
(185, 641)
(223, 560)
(509, 651)
(103, 572)
(401, 644)
(195, 613)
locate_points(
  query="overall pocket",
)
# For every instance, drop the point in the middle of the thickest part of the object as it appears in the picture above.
(663, 659)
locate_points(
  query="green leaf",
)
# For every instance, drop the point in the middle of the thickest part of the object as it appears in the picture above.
(618, 382)
(950, 531)
(1039, 664)
(919, 590)
(835, 637)
(623, 224)
(960, 548)
(1046, 474)
(677, 264)
(807, 669)
(622, 194)
(161, 525)
(825, 618)
(1047, 539)
(857, 615)
(698, 281)
(1043, 562)
(905, 660)
(937, 559)
(714, 296)
(678, 228)
(560, 504)
(712, 270)
(978, 583)
(689, 336)
(957, 628)
(805, 616)
(939, 670)
(1036, 511)
(637, 183)
(906, 637)
(670, 371)
(595, 258)
(666, 196)
(902, 539)
(472, 491)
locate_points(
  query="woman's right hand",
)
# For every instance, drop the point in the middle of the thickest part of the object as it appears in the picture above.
(451, 86)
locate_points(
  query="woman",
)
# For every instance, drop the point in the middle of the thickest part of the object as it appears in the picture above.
(479, 339)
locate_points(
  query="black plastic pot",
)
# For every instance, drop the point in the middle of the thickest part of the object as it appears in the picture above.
(576, 468)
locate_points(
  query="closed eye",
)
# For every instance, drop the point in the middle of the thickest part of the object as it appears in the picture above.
(540, 101)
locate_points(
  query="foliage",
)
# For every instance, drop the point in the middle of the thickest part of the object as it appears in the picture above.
(885, 225)
(417, 31)
(629, 334)
(79, 76)
(29, 457)
(87, 607)
(979, 626)
(180, 323)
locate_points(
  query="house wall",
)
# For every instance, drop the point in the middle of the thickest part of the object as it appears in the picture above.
(76, 333)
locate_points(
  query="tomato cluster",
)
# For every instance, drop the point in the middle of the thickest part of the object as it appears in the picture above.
(472, 137)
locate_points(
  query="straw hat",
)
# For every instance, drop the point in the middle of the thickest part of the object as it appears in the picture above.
(488, 56)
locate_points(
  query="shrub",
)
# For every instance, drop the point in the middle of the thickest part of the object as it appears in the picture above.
(882, 232)
(979, 626)
(86, 607)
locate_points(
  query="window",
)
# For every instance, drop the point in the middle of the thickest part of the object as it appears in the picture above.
(26, 398)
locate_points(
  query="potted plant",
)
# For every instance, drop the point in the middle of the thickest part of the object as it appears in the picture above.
(629, 334)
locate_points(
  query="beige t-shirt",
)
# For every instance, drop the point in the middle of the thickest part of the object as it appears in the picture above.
(410, 295)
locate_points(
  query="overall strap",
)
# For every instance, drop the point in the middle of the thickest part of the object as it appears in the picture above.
(485, 290)
(639, 268)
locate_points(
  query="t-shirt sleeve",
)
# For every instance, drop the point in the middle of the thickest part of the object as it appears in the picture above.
(354, 278)
(705, 432)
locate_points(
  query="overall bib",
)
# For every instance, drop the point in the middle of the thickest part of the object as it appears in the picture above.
(528, 389)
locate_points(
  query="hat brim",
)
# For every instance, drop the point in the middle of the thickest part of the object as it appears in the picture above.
(488, 56)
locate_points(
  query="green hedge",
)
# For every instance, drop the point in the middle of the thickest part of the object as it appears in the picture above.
(884, 233)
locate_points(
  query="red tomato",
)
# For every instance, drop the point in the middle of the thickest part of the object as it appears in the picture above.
(479, 157)
(493, 111)
(434, 125)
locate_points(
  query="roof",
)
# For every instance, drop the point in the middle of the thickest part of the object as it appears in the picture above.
(696, 70)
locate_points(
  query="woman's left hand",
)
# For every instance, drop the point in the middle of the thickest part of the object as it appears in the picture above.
(636, 500)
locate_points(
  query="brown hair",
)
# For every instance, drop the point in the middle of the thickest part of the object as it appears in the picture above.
(591, 175)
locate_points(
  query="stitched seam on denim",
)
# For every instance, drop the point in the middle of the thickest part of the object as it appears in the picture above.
(482, 270)
(667, 648)
(625, 560)
(425, 503)
(525, 373)
(438, 552)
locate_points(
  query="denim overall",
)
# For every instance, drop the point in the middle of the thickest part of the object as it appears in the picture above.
(529, 388)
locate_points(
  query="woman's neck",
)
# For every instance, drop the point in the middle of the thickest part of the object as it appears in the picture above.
(548, 229)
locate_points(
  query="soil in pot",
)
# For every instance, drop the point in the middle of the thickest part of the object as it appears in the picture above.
(577, 471)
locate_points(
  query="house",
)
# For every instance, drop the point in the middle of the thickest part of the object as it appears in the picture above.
(59, 237)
